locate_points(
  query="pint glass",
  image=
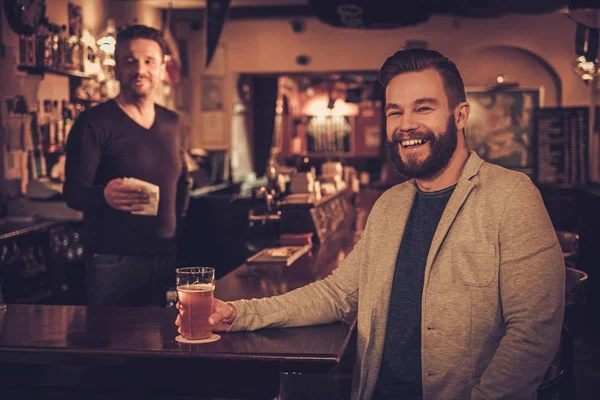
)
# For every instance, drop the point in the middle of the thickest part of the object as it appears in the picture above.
(195, 287)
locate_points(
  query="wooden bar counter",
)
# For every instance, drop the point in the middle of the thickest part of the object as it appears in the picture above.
(76, 352)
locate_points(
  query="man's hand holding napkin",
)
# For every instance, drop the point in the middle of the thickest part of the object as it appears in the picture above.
(132, 195)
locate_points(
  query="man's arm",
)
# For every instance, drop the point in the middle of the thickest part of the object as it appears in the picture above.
(182, 199)
(84, 149)
(183, 183)
(331, 299)
(532, 290)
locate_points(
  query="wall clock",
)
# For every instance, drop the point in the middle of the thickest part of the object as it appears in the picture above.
(25, 16)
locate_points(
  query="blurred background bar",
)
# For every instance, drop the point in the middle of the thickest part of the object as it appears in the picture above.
(285, 139)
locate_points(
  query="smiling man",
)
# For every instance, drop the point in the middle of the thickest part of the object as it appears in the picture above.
(458, 279)
(424, 115)
(130, 255)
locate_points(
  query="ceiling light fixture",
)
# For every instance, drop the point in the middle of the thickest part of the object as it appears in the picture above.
(588, 70)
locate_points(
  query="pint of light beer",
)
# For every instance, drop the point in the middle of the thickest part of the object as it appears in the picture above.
(195, 287)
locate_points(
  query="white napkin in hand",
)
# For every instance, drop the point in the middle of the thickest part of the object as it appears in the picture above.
(153, 192)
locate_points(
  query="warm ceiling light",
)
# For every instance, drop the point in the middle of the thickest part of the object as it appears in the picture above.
(107, 44)
(588, 70)
(108, 40)
(318, 106)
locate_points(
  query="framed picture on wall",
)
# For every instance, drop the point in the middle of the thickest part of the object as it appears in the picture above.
(213, 112)
(212, 93)
(501, 126)
(562, 138)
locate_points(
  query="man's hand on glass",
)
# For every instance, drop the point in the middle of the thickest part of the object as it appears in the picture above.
(221, 319)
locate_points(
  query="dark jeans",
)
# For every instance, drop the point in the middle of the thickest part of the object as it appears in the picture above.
(115, 280)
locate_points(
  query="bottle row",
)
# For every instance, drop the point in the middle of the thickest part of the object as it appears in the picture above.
(65, 244)
(52, 48)
(46, 129)
(54, 123)
(24, 262)
(35, 140)
(43, 266)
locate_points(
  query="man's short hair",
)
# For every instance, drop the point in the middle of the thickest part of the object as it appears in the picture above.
(416, 60)
(131, 32)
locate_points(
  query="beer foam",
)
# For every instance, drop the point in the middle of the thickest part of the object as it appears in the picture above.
(197, 287)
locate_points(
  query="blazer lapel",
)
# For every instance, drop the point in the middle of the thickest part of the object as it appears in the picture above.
(382, 273)
(391, 237)
(460, 195)
(461, 192)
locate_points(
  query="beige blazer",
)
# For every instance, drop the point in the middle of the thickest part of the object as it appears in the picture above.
(493, 296)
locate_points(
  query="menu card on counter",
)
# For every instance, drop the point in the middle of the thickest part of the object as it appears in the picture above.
(562, 135)
(284, 255)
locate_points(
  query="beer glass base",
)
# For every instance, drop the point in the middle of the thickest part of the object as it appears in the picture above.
(213, 338)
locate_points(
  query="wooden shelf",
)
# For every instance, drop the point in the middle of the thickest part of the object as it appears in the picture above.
(42, 71)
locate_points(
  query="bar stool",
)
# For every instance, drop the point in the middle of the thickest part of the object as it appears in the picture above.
(560, 377)
(576, 286)
(569, 243)
(576, 294)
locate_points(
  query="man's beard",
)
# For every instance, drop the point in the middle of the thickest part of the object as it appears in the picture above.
(442, 149)
(139, 92)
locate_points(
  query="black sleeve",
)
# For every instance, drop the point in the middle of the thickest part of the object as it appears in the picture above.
(183, 184)
(84, 150)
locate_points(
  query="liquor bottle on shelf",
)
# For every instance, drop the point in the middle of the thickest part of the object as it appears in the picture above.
(27, 56)
(51, 126)
(55, 31)
(44, 124)
(67, 118)
(75, 53)
(38, 144)
(58, 122)
(44, 56)
(63, 49)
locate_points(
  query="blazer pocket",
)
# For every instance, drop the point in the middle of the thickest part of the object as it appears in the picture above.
(475, 264)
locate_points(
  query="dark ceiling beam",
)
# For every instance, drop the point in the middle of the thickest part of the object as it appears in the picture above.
(270, 12)
(182, 14)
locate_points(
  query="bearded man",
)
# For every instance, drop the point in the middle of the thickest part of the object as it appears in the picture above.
(458, 279)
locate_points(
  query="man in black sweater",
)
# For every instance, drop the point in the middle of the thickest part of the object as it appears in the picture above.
(130, 257)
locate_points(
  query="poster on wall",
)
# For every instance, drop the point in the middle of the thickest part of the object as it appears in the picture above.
(562, 142)
(213, 112)
(213, 125)
(212, 93)
(501, 129)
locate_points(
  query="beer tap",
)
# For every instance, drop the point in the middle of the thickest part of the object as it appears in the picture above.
(273, 213)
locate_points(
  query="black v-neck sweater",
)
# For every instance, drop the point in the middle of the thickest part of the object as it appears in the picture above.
(104, 144)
